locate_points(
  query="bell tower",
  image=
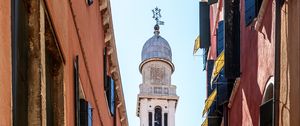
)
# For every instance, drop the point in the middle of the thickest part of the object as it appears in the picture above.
(157, 100)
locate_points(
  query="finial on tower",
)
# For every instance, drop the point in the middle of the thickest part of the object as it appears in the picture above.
(156, 17)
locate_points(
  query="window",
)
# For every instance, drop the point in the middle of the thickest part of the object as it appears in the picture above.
(251, 10)
(266, 109)
(76, 92)
(54, 80)
(158, 116)
(150, 118)
(109, 86)
(166, 119)
(86, 113)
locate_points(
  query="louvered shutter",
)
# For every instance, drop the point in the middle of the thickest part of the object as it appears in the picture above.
(220, 37)
(204, 24)
(249, 11)
(112, 96)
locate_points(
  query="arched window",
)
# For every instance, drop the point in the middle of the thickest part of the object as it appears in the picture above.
(266, 108)
(158, 116)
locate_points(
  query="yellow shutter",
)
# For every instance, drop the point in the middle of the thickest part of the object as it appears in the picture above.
(205, 123)
(219, 63)
(209, 101)
(197, 44)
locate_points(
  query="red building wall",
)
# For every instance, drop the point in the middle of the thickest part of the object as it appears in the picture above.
(256, 62)
(257, 66)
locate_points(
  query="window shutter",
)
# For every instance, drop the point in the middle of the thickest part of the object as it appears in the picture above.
(105, 69)
(210, 66)
(232, 39)
(222, 88)
(86, 116)
(266, 113)
(76, 92)
(90, 115)
(249, 11)
(83, 112)
(112, 96)
(204, 24)
(220, 37)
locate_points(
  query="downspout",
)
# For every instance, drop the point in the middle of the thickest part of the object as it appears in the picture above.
(277, 63)
(14, 45)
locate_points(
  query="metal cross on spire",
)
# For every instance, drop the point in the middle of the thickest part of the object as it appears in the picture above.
(157, 16)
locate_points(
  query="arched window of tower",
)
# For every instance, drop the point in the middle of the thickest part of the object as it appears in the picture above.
(158, 116)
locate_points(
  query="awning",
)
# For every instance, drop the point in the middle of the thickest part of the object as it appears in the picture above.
(209, 101)
(219, 64)
(197, 44)
(205, 123)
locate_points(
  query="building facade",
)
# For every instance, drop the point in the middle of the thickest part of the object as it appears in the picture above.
(246, 58)
(288, 70)
(59, 64)
(157, 100)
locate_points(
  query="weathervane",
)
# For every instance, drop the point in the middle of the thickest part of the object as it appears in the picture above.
(156, 16)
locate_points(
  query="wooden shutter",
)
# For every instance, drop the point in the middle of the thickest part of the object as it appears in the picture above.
(249, 11)
(220, 37)
(76, 91)
(210, 67)
(83, 112)
(232, 39)
(204, 25)
(112, 96)
(90, 115)
(105, 69)
(86, 116)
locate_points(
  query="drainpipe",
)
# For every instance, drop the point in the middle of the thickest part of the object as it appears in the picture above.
(277, 62)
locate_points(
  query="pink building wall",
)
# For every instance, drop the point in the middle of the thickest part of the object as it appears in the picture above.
(256, 63)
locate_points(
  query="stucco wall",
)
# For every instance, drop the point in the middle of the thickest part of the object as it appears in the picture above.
(81, 33)
(5, 63)
(257, 66)
(289, 64)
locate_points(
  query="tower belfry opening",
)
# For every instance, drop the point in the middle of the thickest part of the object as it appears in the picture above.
(157, 99)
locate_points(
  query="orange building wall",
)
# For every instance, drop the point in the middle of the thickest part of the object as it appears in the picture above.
(79, 31)
(5, 63)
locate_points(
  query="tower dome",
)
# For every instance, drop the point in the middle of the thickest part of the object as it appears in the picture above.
(156, 47)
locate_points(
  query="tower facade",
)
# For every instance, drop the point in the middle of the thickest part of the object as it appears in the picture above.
(157, 99)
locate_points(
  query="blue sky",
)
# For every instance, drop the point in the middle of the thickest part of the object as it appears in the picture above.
(133, 26)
